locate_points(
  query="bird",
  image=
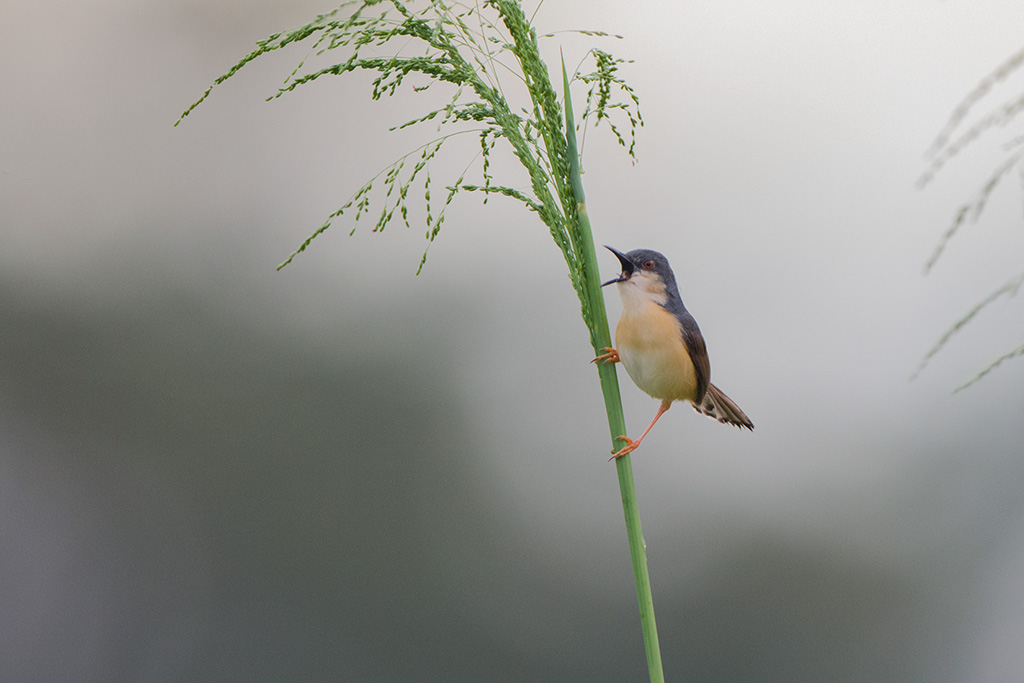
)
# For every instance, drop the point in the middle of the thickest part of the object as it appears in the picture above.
(660, 344)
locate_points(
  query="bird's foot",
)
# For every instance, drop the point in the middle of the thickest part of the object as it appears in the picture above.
(610, 355)
(628, 448)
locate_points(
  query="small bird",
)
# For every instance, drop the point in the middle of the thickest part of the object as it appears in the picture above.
(660, 345)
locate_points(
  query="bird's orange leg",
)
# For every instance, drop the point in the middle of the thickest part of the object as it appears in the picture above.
(633, 445)
(610, 355)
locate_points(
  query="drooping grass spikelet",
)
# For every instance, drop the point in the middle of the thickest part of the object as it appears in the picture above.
(467, 49)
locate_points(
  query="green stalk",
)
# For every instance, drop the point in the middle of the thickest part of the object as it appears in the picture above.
(612, 401)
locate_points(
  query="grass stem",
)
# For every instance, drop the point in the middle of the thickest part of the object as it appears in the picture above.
(461, 45)
(601, 338)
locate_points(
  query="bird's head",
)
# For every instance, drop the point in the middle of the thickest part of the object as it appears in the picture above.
(645, 272)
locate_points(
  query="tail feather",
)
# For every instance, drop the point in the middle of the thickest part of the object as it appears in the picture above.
(722, 408)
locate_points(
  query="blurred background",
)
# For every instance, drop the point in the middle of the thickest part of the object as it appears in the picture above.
(214, 471)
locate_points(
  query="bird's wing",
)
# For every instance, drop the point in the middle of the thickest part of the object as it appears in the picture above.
(698, 351)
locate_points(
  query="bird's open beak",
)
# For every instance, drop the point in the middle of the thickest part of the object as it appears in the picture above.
(627, 266)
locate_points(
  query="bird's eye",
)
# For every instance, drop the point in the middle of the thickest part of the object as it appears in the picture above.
(648, 265)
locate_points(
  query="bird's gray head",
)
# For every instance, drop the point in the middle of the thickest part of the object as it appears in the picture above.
(649, 270)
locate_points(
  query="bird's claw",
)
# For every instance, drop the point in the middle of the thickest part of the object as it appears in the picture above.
(628, 448)
(610, 355)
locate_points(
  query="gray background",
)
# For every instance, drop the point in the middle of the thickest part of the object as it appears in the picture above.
(213, 471)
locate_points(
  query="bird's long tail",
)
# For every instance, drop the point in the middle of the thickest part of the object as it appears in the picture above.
(722, 408)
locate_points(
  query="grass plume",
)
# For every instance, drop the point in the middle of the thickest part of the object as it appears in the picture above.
(955, 136)
(485, 53)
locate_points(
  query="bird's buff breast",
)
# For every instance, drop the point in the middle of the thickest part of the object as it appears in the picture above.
(651, 348)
